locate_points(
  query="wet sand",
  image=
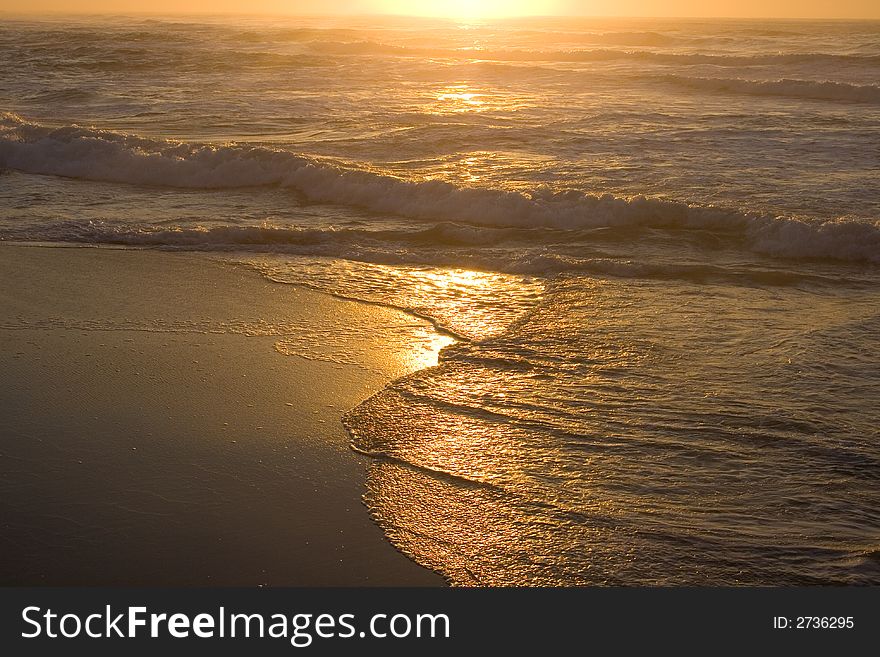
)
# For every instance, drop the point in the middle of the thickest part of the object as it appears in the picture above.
(152, 434)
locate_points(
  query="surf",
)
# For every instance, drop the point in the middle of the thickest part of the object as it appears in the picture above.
(107, 156)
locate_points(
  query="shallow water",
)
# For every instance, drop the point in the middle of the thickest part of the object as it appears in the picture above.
(655, 243)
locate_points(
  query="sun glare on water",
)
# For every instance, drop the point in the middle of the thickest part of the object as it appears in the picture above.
(468, 9)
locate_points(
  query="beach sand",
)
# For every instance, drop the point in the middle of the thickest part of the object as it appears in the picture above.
(153, 434)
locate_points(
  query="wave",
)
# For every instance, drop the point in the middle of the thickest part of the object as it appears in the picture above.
(367, 47)
(318, 50)
(441, 245)
(127, 58)
(342, 35)
(295, 34)
(634, 38)
(827, 90)
(101, 155)
(807, 89)
(68, 95)
(604, 54)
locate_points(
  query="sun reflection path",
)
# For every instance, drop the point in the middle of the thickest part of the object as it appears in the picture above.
(460, 98)
(473, 304)
(456, 302)
(463, 98)
(426, 350)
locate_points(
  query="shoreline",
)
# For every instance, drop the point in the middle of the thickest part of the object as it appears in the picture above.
(156, 435)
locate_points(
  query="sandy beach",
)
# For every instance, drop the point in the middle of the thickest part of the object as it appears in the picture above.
(153, 434)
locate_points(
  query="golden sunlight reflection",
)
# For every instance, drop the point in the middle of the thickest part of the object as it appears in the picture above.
(456, 291)
(468, 167)
(461, 278)
(425, 350)
(403, 347)
(459, 98)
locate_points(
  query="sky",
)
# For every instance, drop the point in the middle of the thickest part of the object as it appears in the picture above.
(472, 8)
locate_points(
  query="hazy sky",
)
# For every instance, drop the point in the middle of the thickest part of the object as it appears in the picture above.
(461, 8)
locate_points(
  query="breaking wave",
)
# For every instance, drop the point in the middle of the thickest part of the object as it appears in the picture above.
(100, 155)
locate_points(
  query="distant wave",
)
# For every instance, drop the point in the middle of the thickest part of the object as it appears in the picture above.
(296, 34)
(100, 155)
(101, 57)
(316, 49)
(808, 89)
(626, 38)
(826, 90)
(634, 38)
(364, 47)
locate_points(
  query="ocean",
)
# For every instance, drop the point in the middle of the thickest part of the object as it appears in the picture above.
(650, 249)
